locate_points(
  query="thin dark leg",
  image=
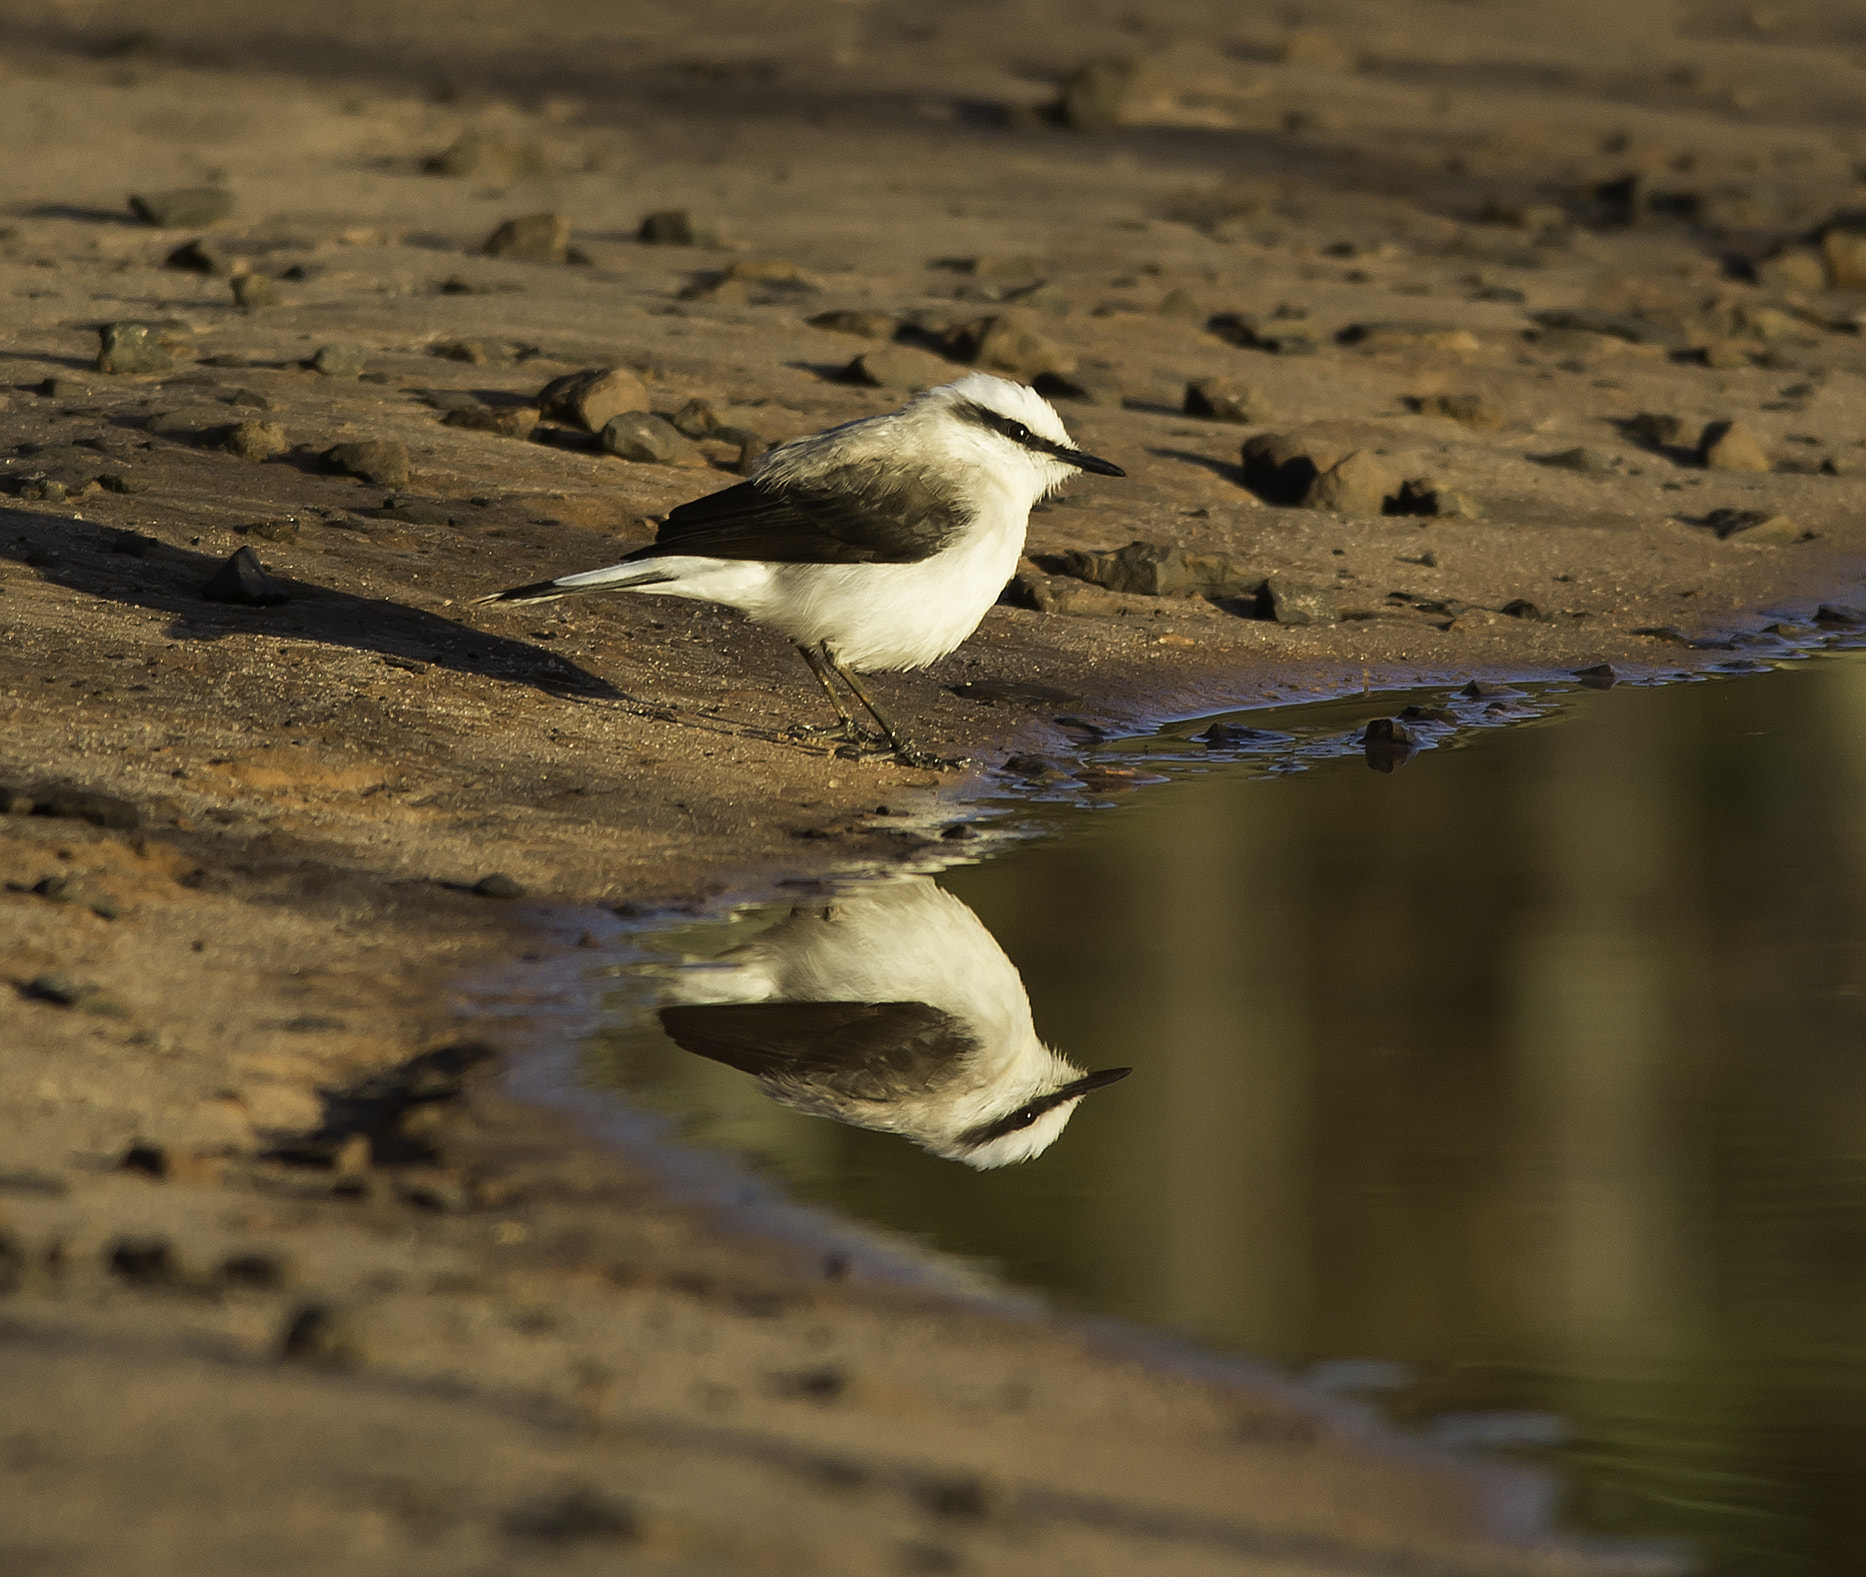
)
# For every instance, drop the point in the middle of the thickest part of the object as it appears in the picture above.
(904, 748)
(846, 729)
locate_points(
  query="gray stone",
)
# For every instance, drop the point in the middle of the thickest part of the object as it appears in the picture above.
(1732, 446)
(590, 399)
(1659, 429)
(187, 205)
(498, 885)
(1425, 495)
(200, 256)
(242, 580)
(1473, 410)
(1408, 336)
(1096, 95)
(1246, 330)
(1007, 344)
(668, 227)
(695, 419)
(377, 460)
(256, 440)
(864, 325)
(1154, 569)
(1280, 469)
(252, 291)
(1589, 462)
(511, 421)
(531, 238)
(1226, 400)
(339, 359)
(1357, 484)
(130, 347)
(644, 439)
(1758, 526)
(899, 367)
(483, 155)
(1299, 602)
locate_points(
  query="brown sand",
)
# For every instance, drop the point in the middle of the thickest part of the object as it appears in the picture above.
(511, 1352)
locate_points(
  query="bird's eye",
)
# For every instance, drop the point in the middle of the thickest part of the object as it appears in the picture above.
(1018, 431)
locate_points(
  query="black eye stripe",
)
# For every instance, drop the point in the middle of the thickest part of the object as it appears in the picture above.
(1009, 427)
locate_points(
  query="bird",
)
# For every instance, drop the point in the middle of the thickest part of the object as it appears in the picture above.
(890, 1008)
(875, 546)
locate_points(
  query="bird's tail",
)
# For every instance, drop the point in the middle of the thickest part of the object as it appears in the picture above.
(617, 577)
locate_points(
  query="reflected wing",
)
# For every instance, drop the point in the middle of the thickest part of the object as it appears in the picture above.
(863, 513)
(862, 1051)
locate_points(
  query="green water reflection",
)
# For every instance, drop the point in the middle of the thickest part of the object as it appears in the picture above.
(1538, 1065)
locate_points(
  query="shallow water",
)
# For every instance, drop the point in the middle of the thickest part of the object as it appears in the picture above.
(1521, 1087)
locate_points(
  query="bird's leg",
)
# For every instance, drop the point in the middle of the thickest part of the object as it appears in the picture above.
(847, 729)
(905, 750)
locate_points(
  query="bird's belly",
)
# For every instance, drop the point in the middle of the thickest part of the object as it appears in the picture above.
(891, 616)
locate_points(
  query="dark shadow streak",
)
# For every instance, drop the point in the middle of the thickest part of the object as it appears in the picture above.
(1229, 470)
(121, 566)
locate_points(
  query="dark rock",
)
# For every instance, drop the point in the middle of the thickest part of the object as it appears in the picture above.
(1299, 602)
(1658, 429)
(1668, 633)
(477, 154)
(100, 810)
(577, 1516)
(416, 512)
(185, 206)
(1789, 632)
(1425, 495)
(80, 894)
(142, 1261)
(695, 419)
(1731, 446)
(320, 1335)
(1755, 526)
(1017, 692)
(243, 580)
(255, 440)
(55, 985)
(1408, 336)
(1096, 94)
(1429, 714)
(1388, 744)
(1473, 410)
(900, 367)
(1357, 484)
(1833, 616)
(498, 885)
(1235, 736)
(1485, 690)
(254, 1271)
(513, 421)
(199, 257)
(130, 347)
(644, 439)
(532, 238)
(1226, 400)
(455, 399)
(668, 227)
(592, 398)
(1153, 569)
(1007, 344)
(340, 359)
(1600, 677)
(285, 531)
(1523, 608)
(1243, 329)
(254, 290)
(1032, 768)
(251, 399)
(865, 325)
(1280, 469)
(1628, 326)
(1589, 462)
(377, 460)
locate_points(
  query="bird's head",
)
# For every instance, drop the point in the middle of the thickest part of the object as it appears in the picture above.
(1028, 1130)
(1005, 428)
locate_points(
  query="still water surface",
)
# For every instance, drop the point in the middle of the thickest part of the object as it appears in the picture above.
(1521, 1087)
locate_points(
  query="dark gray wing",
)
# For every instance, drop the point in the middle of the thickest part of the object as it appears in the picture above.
(863, 513)
(862, 1051)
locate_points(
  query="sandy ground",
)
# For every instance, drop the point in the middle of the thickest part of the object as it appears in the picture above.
(417, 1328)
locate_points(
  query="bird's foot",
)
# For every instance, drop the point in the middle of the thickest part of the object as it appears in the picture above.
(911, 755)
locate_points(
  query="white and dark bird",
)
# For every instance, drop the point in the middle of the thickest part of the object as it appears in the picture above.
(875, 546)
(894, 1009)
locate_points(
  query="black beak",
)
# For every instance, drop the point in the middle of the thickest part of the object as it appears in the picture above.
(1093, 1081)
(1087, 462)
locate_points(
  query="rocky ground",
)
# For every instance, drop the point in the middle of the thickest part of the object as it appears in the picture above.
(1437, 340)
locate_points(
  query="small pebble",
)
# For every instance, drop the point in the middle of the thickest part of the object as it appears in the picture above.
(498, 885)
(243, 581)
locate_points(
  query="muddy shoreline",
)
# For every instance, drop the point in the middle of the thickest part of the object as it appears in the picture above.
(289, 1284)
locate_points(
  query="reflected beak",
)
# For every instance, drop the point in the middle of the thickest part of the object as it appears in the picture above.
(1088, 462)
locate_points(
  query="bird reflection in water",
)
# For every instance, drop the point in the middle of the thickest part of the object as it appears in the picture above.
(890, 1008)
